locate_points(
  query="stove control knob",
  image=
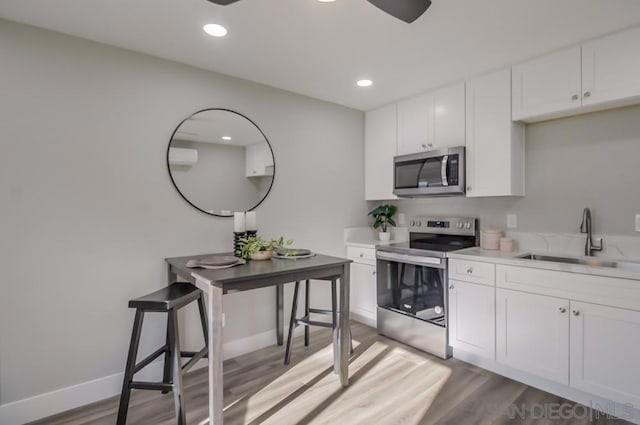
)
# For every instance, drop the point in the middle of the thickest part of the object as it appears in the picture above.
(412, 223)
(468, 225)
(418, 223)
(460, 225)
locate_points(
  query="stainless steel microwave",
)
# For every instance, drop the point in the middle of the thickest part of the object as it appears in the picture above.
(438, 172)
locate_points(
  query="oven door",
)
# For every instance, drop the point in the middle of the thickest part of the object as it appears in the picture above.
(433, 173)
(415, 286)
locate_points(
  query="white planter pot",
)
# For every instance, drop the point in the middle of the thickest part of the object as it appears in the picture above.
(384, 236)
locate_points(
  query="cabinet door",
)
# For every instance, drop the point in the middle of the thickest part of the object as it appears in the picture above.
(547, 85)
(611, 68)
(605, 352)
(495, 144)
(472, 311)
(258, 160)
(415, 124)
(363, 290)
(448, 117)
(532, 334)
(379, 150)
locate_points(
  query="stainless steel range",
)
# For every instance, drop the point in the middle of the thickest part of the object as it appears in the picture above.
(412, 281)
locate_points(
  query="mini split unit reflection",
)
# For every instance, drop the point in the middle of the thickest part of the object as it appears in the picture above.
(183, 156)
(438, 172)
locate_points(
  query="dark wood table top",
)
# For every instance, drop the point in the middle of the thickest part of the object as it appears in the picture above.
(258, 273)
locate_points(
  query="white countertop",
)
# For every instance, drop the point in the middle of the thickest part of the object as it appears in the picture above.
(508, 258)
(366, 237)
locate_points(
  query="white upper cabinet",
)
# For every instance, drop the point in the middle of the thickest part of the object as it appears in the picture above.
(431, 121)
(600, 74)
(258, 160)
(448, 116)
(379, 150)
(611, 69)
(605, 351)
(415, 124)
(495, 144)
(547, 86)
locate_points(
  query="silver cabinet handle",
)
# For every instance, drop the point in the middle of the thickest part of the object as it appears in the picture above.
(451, 287)
(470, 270)
(468, 188)
(562, 310)
(575, 313)
(575, 97)
(430, 145)
(361, 255)
(423, 146)
(587, 94)
(374, 272)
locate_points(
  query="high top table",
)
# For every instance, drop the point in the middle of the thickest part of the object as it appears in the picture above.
(260, 274)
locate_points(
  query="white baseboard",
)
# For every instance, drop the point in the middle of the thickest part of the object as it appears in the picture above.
(51, 403)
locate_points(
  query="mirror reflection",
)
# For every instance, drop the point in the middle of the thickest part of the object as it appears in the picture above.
(220, 162)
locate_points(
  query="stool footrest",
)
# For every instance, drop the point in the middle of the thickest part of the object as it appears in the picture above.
(157, 386)
(150, 358)
(320, 311)
(305, 321)
(194, 358)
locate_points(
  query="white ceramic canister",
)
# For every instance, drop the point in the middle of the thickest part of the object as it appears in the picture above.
(491, 239)
(507, 245)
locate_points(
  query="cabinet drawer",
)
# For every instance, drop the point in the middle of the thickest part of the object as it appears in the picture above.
(362, 255)
(472, 271)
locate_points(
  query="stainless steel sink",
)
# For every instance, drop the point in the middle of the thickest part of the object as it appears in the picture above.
(593, 262)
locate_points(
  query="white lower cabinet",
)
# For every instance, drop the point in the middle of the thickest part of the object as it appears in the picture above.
(472, 318)
(532, 334)
(363, 290)
(605, 351)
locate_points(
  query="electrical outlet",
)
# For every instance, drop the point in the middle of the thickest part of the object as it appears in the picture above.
(512, 221)
(401, 219)
(637, 222)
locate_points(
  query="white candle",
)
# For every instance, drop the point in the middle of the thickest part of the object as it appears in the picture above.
(238, 222)
(251, 221)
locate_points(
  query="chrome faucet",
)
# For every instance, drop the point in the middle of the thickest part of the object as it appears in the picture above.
(585, 227)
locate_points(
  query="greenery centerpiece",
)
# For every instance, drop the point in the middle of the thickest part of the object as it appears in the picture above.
(257, 248)
(383, 218)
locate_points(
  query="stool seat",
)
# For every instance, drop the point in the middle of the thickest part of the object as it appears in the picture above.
(166, 300)
(175, 296)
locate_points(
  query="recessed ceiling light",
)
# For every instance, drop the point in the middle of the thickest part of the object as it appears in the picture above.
(326, 1)
(364, 83)
(226, 137)
(215, 30)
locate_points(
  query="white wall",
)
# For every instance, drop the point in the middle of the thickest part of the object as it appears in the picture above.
(89, 212)
(586, 161)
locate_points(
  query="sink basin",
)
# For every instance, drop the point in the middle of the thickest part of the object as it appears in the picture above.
(593, 262)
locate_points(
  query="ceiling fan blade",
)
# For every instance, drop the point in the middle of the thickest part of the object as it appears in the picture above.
(223, 2)
(406, 10)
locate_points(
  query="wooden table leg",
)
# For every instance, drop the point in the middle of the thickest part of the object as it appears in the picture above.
(216, 391)
(343, 328)
(280, 314)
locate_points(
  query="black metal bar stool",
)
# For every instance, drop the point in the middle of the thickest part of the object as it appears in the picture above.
(167, 300)
(306, 319)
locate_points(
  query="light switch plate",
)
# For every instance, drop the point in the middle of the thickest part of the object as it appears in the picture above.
(512, 221)
(637, 222)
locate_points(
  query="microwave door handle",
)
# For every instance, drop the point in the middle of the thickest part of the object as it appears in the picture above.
(443, 170)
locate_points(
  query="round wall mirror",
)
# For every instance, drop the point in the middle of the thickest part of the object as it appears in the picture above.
(220, 162)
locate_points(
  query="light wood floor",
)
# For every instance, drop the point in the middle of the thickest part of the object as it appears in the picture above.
(390, 384)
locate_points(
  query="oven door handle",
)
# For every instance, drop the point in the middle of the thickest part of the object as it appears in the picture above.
(411, 259)
(443, 170)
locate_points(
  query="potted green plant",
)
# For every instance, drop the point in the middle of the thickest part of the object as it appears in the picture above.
(383, 218)
(257, 248)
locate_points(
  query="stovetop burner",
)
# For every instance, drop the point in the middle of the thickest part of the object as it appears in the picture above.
(435, 236)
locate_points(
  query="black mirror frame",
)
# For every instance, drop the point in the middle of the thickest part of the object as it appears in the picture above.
(273, 177)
